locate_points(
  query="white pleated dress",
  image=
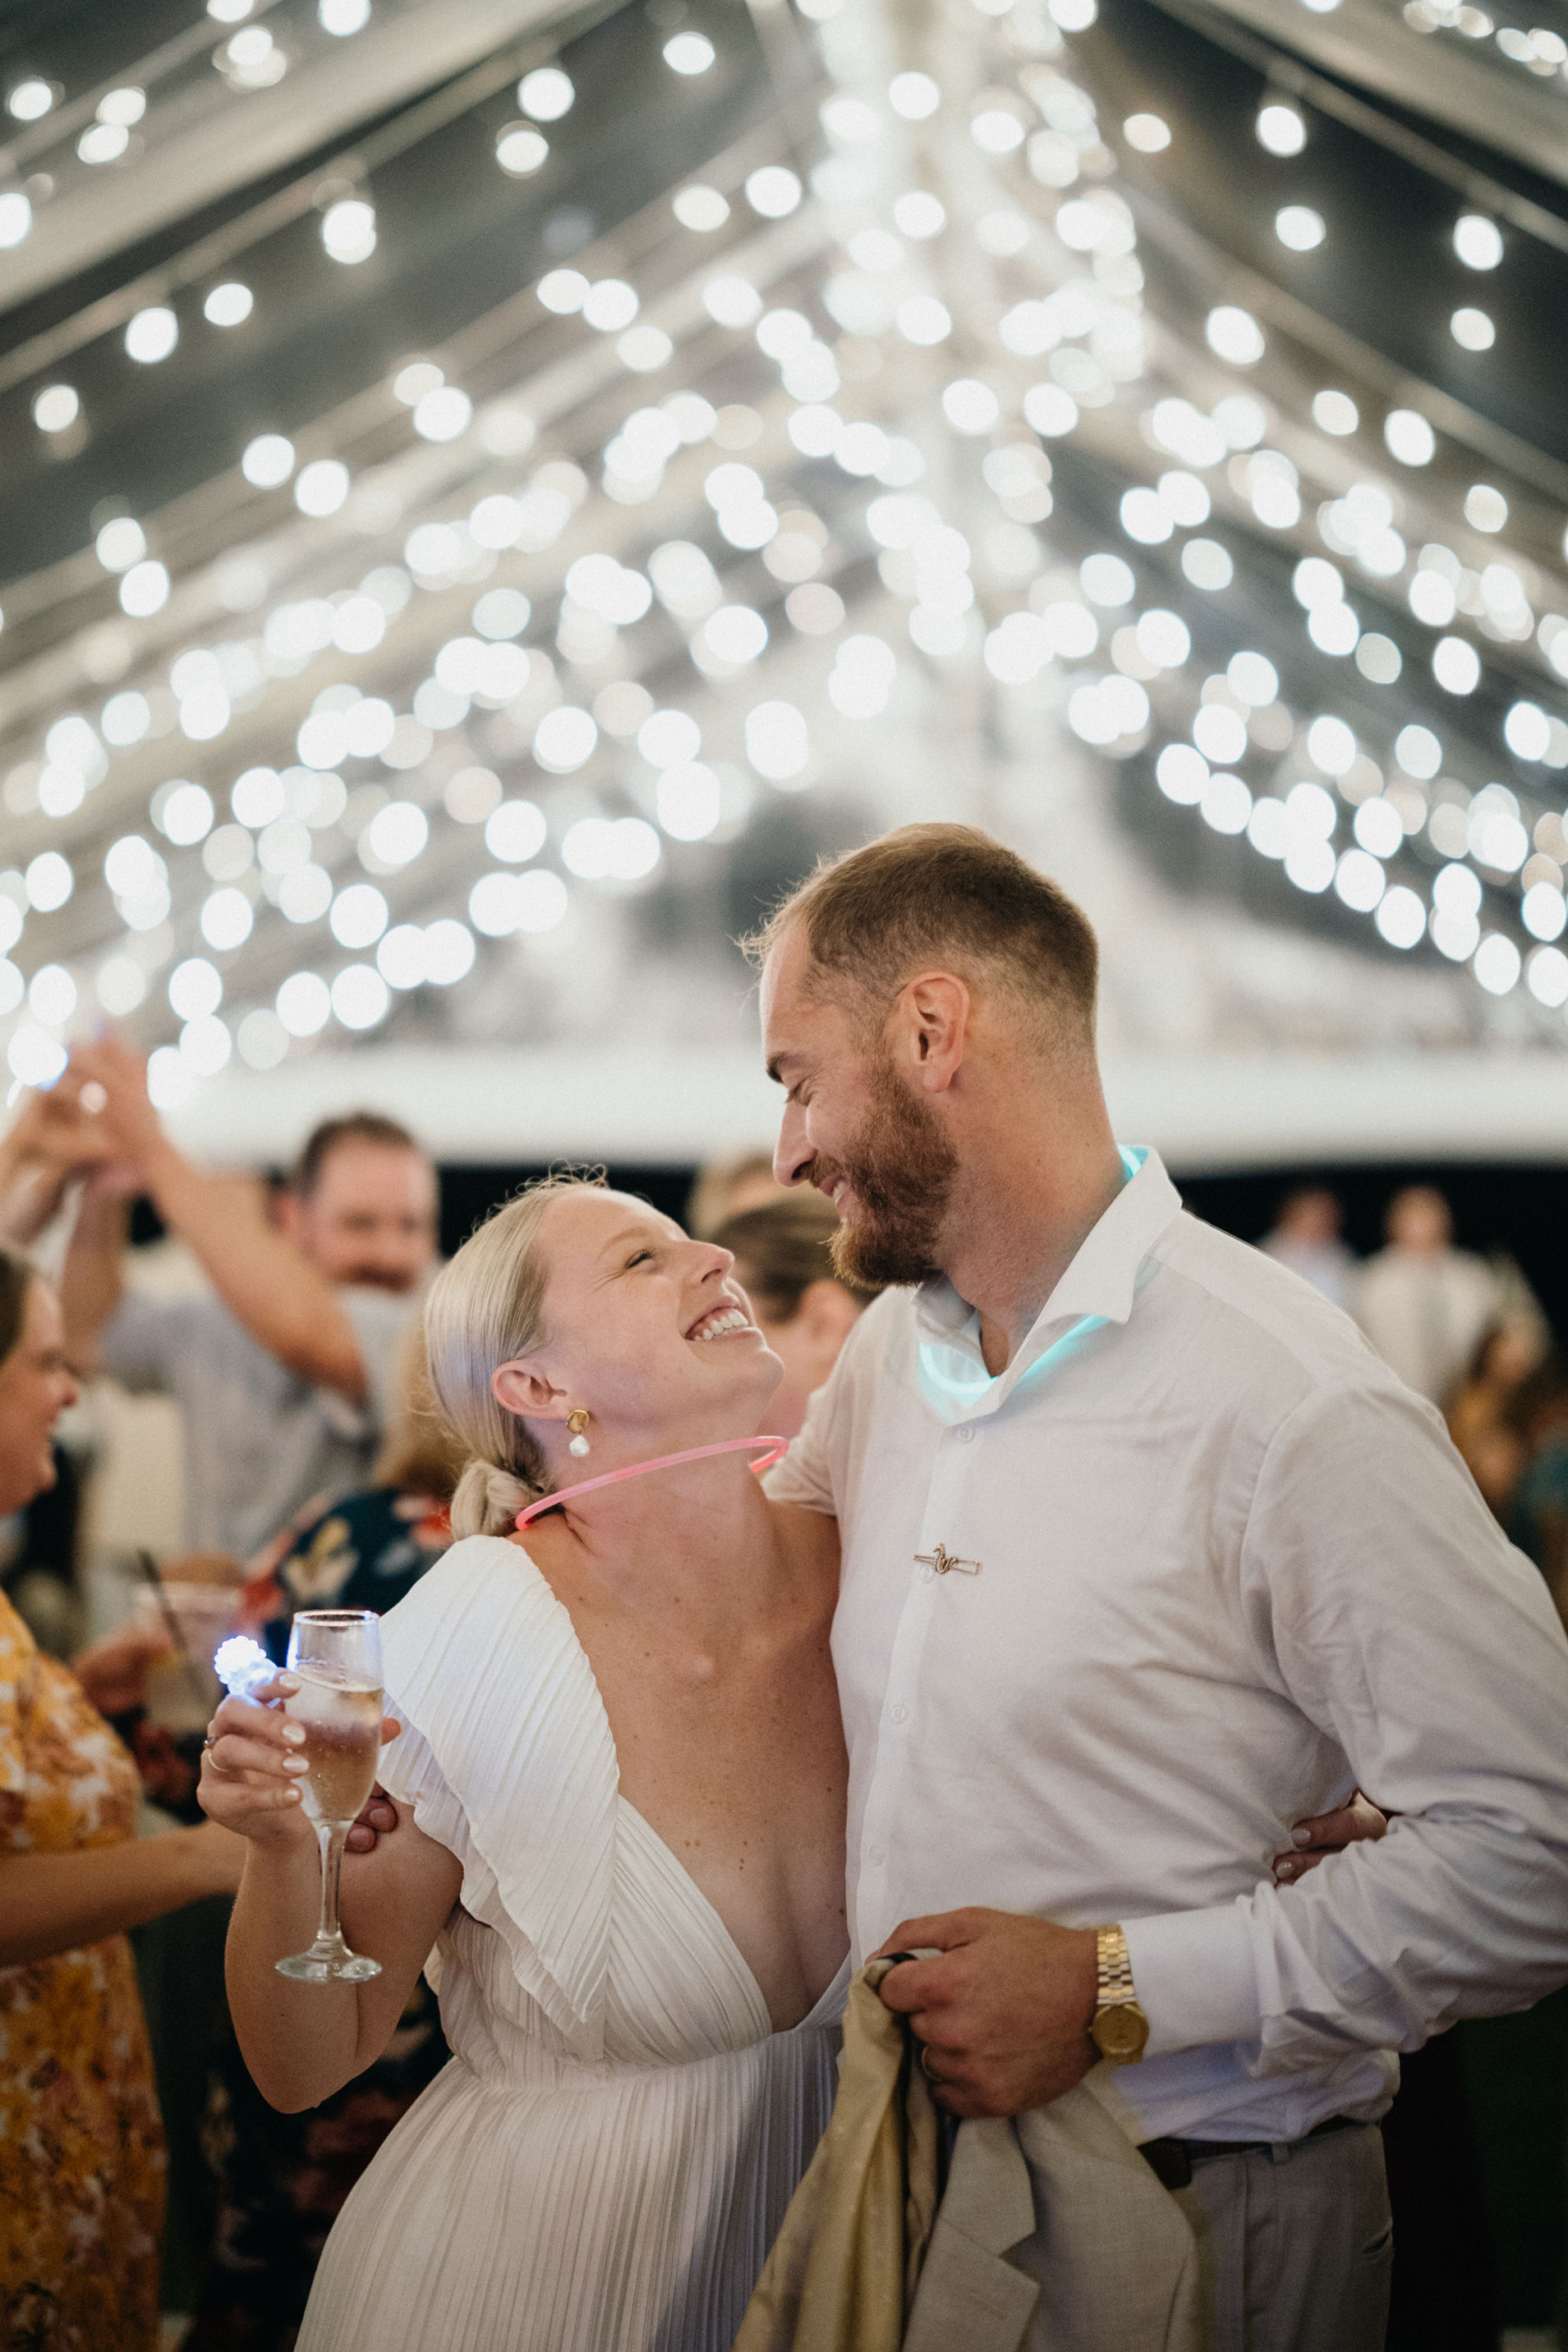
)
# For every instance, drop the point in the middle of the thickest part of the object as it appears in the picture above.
(604, 2161)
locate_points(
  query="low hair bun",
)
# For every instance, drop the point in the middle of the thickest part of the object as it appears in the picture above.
(488, 1499)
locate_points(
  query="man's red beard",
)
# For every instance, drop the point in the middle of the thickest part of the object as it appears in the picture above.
(901, 1169)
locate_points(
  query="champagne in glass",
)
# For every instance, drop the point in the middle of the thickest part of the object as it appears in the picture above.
(336, 1653)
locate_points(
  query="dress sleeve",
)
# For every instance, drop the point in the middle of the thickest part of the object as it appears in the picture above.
(507, 1758)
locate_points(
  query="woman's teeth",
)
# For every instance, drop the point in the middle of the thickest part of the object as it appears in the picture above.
(716, 1327)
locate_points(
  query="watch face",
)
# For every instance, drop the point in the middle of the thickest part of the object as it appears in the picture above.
(1121, 2032)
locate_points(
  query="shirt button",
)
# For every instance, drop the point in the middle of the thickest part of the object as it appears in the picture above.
(965, 1434)
(877, 1855)
(899, 1712)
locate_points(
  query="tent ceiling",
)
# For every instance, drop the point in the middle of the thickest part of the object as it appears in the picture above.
(982, 466)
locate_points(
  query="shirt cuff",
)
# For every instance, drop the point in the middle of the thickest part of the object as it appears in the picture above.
(1193, 1975)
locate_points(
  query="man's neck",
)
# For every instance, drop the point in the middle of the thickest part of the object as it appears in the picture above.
(1021, 1210)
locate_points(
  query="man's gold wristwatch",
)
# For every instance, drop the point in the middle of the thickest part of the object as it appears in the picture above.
(1119, 2027)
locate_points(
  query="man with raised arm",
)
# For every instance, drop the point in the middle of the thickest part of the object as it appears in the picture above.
(286, 1374)
(1146, 1556)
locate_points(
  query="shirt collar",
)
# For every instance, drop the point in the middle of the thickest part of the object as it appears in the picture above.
(1097, 1288)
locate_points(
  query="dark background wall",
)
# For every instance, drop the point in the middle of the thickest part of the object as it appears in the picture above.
(1521, 1210)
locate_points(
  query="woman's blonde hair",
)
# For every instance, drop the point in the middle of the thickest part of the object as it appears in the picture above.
(485, 1308)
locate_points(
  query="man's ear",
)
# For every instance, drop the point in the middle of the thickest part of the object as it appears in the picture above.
(289, 1210)
(932, 1016)
(525, 1392)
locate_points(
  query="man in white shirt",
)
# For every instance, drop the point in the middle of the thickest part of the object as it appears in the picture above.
(288, 1372)
(1146, 1556)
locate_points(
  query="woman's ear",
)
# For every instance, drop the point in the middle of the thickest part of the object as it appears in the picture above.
(526, 1392)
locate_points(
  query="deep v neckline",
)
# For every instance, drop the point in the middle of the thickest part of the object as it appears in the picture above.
(705, 1903)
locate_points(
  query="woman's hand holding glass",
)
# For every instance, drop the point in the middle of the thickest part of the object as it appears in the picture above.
(252, 1769)
(330, 1735)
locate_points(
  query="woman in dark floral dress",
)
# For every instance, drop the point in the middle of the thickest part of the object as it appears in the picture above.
(283, 2179)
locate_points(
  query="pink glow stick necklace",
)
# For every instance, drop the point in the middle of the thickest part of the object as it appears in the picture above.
(773, 1447)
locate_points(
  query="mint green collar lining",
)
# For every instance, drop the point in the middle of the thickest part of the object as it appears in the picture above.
(952, 1374)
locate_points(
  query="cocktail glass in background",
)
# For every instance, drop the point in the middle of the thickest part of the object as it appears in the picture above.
(336, 1653)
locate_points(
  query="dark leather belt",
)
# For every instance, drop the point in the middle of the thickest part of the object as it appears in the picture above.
(1171, 2161)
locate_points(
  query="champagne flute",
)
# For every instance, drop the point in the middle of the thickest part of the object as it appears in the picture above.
(336, 1653)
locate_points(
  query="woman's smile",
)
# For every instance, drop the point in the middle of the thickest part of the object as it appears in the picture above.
(722, 1322)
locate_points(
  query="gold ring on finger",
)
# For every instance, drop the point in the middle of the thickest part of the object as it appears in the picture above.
(926, 2067)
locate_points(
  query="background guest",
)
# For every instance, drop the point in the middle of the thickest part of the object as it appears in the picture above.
(725, 1187)
(51, 1141)
(284, 1377)
(81, 2145)
(1537, 1515)
(366, 1550)
(1306, 1238)
(1423, 1304)
(783, 1262)
(1479, 1416)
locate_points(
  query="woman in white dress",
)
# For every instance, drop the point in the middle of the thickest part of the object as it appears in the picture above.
(621, 1751)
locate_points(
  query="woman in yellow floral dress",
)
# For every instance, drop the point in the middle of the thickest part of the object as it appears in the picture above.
(81, 2145)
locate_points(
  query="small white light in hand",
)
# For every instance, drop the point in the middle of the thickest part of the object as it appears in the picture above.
(242, 1666)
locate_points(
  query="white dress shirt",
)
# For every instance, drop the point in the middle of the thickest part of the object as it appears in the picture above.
(1213, 1565)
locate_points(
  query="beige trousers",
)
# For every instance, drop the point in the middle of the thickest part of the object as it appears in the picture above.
(1295, 2245)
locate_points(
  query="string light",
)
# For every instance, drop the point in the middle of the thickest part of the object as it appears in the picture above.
(546, 94)
(1300, 228)
(30, 100)
(1280, 129)
(348, 230)
(521, 151)
(56, 407)
(1472, 329)
(151, 335)
(229, 305)
(688, 53)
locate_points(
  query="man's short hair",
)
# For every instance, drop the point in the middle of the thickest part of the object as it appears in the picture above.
(945, 894)
(356, 1126)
